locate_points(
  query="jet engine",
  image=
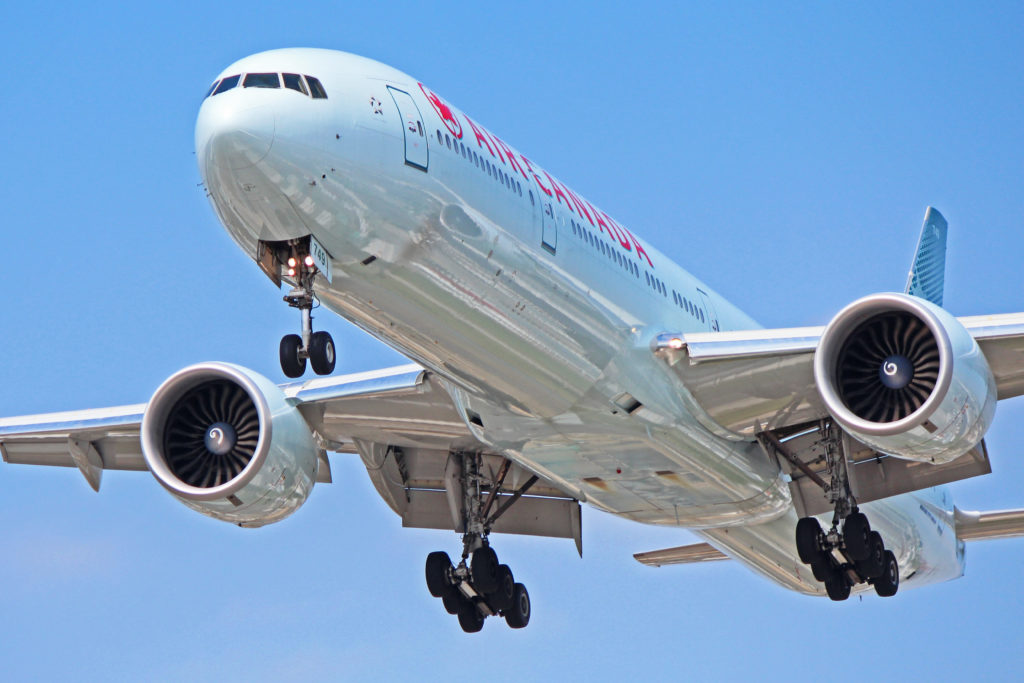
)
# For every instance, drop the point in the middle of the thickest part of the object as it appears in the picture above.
(906, 378)
(225, 442)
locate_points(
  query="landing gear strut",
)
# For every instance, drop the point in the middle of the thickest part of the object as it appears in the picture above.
(317, 347)
(849, 552)
(479, 586)
(853, 553)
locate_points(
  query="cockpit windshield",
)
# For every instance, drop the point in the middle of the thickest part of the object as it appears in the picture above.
(226, 84)
(307, 85)
(261, 81)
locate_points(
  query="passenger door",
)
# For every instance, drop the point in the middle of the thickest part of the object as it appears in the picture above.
(416, 153)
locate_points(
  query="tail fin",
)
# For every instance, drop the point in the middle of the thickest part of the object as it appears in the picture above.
(928, 273)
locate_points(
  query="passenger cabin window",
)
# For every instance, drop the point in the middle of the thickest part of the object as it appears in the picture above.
(294, 82)
(227, 84)
(314, 87)
(261, 81)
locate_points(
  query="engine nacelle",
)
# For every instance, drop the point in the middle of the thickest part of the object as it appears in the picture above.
(906, 378)
(225, 442)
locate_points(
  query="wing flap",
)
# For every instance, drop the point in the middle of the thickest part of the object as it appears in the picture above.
(685, 554)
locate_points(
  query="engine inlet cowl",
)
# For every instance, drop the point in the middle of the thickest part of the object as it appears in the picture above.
(225, 442)
(905, 377)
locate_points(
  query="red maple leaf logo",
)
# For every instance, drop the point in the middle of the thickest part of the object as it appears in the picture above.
(444, 111)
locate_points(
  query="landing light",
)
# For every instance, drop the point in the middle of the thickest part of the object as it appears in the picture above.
(308, 261)
(675, 343)
(292, 262)
(291, 272)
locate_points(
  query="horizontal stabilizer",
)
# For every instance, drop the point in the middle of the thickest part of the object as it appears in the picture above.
(684, 554)
(928, 273)
(979, 526)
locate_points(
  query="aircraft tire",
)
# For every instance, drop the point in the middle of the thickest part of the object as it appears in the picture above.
(518, 615)
(452, 600)
(484, 568)
(503, 597)
(821, 568)
(857, 536)
(470, 618)
(888, 583)
(808, 539)
(837, 586)
(321, 353)
(873, 566)
(438, 564)
(291, 364)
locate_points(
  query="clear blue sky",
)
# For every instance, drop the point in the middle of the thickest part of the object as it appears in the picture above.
(784, 155)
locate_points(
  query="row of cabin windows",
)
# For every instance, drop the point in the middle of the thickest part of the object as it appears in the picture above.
(656, 284)
(688, 306)
(307, 85)
(597, 243)
(510, 183)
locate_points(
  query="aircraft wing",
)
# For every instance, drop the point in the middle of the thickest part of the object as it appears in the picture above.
(400, 421)
(742, 383)
(108, 438)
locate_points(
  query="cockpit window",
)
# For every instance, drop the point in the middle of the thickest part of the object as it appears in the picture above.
(212, 88)
(261, 81)
(314, 87)
(294, 81)
(227, 84)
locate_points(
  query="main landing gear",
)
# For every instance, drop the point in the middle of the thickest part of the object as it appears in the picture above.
(317, 347)
(847, 554)
(477, 590)
(479, 586)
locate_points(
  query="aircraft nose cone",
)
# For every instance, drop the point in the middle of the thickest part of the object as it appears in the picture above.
(232, 136)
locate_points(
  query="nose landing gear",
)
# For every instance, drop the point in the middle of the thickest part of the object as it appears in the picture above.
(317, 347)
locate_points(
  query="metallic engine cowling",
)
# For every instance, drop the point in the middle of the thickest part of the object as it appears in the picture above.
(225, 442)
(906, 378)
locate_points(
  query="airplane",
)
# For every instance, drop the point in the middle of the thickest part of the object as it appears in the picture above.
(558, 359)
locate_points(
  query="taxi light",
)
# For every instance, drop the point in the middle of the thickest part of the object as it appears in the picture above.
(291, 271)
(675, 343)
(308, 261)
(292, 262)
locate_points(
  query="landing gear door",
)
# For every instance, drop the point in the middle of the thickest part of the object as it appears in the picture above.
(413, 129)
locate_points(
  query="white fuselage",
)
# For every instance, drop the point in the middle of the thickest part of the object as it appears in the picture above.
(536, 308)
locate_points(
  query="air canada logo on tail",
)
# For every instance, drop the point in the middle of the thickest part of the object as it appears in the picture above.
(444, 111)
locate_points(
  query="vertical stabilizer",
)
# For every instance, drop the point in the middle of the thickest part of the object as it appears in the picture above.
(928, 273)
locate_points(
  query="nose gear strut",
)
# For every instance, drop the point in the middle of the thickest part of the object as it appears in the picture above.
(317, 347)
